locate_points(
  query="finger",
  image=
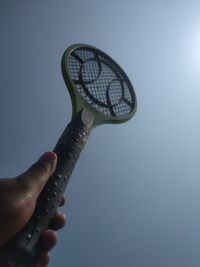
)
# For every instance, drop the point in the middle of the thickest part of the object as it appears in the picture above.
(48, 240)
(35, 178)
(43, 259)
(63, 201)
(58, 221)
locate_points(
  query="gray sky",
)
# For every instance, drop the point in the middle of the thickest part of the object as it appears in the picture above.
(133, 199)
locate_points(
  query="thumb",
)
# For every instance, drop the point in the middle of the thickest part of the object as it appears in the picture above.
(35, 178)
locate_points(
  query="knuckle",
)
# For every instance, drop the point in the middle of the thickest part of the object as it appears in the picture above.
(43, 167)
(38, 168)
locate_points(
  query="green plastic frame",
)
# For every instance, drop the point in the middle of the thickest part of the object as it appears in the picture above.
(78, 102)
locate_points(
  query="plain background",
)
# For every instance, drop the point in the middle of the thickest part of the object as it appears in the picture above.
(134, 197)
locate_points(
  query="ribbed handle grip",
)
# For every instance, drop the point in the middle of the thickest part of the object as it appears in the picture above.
(22, 250)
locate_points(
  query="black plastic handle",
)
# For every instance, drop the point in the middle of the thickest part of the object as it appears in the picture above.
(22, 250)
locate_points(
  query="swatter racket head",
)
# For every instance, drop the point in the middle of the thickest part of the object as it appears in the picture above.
(97, 83)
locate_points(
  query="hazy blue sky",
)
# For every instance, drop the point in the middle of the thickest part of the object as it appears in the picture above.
(134, 198)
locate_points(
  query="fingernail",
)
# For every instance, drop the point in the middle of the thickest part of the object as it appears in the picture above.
(49, 157)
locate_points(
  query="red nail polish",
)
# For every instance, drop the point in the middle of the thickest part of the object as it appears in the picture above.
(48, 156)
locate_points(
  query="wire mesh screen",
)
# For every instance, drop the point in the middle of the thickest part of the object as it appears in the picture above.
(101, 82)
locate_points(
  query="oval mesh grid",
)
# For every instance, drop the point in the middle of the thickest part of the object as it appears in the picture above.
(101, 82)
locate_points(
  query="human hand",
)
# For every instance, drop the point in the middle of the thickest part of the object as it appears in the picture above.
(18, 198)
